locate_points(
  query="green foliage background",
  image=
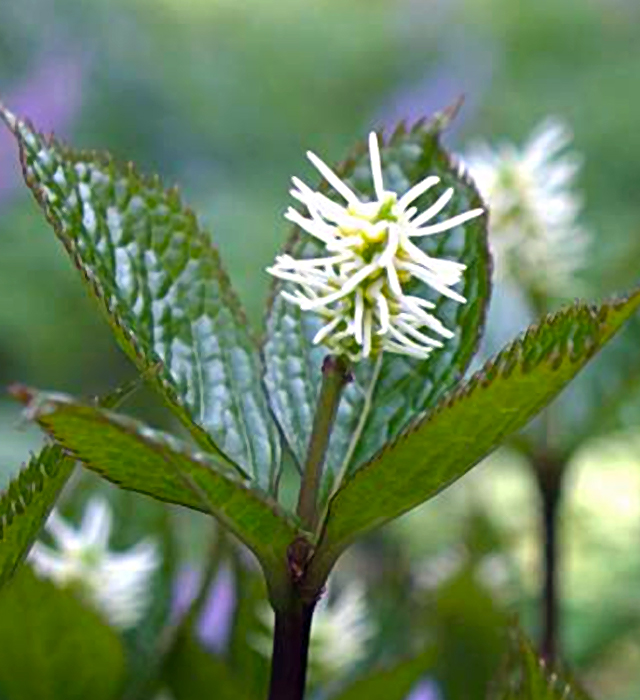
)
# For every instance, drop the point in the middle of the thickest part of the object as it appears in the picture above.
(224, 96)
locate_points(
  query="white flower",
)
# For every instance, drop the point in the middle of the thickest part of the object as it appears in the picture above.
(341, 629)
(532, 208)
(117, 584)
(358, 287)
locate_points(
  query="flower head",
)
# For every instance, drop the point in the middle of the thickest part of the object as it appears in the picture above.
(117, 584)
(532, 209)
(359, 287)
(341, 629)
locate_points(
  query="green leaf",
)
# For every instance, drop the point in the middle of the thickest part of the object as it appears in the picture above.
(468, 623)
(469, 423)
(26, 503)
(247, 661)
(138, 458)
(598, 401)
(386, 395)
(191, 673)
(527, 677)
(391, 682)
(160, 282)
(53, 646)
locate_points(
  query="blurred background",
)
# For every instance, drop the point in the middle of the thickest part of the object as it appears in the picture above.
(224, 97)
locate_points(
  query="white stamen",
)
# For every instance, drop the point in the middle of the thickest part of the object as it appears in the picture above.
(449, 223)
(376, 166)
(325, 330)
(383, 310)
(434, 209)
(328, 174)
(358, 317)
(366, 345)
(356, 287)
(416, 191)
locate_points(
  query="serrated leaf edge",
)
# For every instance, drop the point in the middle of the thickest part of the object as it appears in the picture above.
(500, 366)
(38, 405)
(27, 483)
(158, 378)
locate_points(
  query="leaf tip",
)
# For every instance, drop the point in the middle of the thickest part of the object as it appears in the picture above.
(8, 117)
(448, 114)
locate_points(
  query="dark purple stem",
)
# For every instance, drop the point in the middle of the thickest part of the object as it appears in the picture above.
(550, 474)
(290, 652)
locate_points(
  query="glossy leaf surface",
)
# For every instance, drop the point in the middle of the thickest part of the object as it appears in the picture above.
(162, 287)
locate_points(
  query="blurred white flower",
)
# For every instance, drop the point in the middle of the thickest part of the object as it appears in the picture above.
(117, 584)
(439, 568)
(341, 629)
(533, 209)
(357, 288)
(164, 695)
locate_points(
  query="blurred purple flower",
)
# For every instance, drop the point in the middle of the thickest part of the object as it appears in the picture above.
(425, 690)
(216, 617)
(464, 71)
(50, 96)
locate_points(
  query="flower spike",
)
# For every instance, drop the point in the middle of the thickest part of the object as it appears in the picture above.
(359, 287)
(538, 242)
(118, 584)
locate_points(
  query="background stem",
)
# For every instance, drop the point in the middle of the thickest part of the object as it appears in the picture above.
(550, 477)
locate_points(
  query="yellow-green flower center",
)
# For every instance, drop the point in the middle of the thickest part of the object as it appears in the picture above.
(373, 238)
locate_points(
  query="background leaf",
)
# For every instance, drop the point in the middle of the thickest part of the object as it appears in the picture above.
(247, 661)
(526, 677)
(191, 673)
(26, 503)
(137, 458)
(53, 646)
(469, 627)
(161, 284)
(391, 682)
(469, 423)
(386, 395)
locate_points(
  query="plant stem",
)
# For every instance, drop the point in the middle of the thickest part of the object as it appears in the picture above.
(550, 474)
(290, 651)
(335, 376)
(294, 609)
